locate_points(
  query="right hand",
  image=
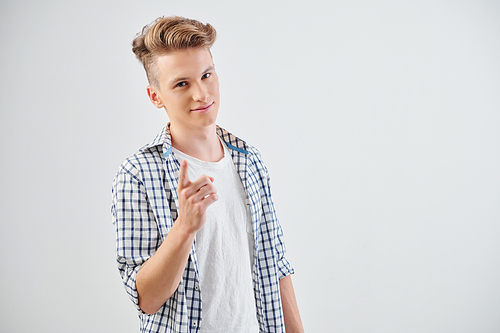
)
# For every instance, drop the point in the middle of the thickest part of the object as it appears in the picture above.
(194, 199)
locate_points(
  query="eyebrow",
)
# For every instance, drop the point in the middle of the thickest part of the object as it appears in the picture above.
(179, 79)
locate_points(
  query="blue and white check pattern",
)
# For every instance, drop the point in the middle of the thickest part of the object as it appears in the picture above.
(144, 209)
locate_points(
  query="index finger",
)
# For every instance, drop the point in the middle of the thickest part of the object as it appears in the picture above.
(183, 174)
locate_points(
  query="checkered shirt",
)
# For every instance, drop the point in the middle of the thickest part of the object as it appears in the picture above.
(144, 208)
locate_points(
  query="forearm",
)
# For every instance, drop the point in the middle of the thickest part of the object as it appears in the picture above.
(159, 277)
(291, 314)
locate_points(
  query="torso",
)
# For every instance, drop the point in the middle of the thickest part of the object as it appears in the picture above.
(224, 249)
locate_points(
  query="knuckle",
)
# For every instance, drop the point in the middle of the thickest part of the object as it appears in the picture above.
(184, 193)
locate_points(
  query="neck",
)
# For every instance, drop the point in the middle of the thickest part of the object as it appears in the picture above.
(202, 144)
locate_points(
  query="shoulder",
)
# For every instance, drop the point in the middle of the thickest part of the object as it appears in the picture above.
(146, 160)
(238, 144)
(252, 154)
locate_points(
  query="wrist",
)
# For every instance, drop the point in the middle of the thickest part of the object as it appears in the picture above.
(184, 229)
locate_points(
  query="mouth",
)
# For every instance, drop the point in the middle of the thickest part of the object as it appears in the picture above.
(203, 109)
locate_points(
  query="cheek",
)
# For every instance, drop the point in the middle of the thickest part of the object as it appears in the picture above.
(215, 88)
(177, 100)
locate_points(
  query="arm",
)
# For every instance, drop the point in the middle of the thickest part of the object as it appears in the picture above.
(291, 314)
(293, 324)
(159, 277)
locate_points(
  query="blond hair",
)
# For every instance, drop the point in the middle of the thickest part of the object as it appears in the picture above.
(167, 34)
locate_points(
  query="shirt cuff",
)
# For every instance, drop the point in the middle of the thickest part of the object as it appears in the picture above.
(284, 268)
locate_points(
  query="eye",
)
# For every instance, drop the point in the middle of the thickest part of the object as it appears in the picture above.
(206, 76)
(181, 84)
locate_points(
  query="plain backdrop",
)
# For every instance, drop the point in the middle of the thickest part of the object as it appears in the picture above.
(378, 120)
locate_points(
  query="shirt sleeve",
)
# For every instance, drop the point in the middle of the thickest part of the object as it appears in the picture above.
(137, 235)
(283, 266)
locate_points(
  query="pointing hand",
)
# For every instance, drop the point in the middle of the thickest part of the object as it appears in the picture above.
(194, 199)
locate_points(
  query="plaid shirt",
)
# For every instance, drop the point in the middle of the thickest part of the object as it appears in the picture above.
(144, 209)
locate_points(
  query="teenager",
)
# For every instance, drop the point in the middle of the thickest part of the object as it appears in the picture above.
(199, 246)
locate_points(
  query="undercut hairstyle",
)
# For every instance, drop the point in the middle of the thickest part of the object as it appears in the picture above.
(166, 34)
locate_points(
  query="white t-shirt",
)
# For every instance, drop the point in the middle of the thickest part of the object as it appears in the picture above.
(224, 249)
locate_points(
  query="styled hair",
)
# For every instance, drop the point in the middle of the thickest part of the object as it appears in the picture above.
(167, 34)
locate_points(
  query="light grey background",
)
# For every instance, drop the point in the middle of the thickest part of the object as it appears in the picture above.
(379, 122)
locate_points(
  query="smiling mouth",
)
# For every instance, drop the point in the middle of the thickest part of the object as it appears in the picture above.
(204, 108)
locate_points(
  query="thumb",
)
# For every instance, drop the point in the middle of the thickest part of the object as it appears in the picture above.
(183, 174)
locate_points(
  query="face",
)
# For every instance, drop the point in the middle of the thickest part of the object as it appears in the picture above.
(188, 88)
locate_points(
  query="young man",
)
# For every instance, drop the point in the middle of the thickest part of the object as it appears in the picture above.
(199, 247)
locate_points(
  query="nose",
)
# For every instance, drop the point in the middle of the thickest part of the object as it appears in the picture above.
(200, 92)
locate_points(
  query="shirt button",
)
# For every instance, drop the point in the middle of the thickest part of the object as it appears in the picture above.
(197, 287)
(194, 324)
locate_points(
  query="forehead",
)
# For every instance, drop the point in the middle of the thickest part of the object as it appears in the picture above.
(186, 62)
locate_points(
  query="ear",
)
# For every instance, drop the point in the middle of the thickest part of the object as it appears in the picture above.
(154, 97)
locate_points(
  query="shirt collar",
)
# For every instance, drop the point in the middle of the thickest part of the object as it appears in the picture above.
(164, 139)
